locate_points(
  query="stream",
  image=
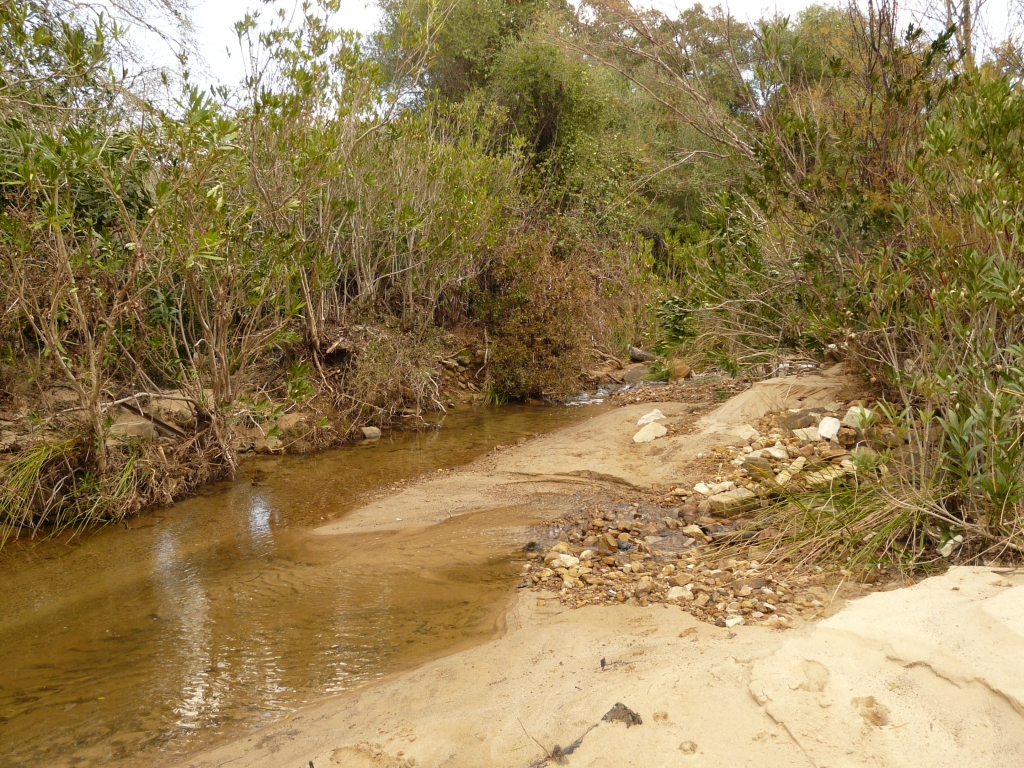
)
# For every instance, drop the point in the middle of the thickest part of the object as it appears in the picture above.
(140, 645)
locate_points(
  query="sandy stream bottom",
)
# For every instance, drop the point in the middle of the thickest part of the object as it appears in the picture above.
(929, 675)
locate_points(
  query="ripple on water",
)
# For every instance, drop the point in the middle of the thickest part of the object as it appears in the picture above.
(136, 646)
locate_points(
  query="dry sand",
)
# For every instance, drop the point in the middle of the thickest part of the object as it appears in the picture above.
(931, 675)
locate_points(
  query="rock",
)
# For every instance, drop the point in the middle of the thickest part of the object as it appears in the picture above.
(608, 543)
(679, 593)
(695, 532)
(9, 442)
(638, 355)
(173, 410)
(644, 587)
(648, 418)
(650, 433)
(810, 435)
(758, 466)
(681, 580)
(587, 554)
(745, 432)
(798, 420)
(370, 433)
(703, 489)
(949, 546)
(561, 560)
(857, 417)
(688, 748)
(829, 428)
(680, 371)
(749, 583)
(780, 454)
(787, 474)
(620, 713)
(775, 621)
(688, 512)
(824, 476)
(734, 621)
(728, 485)
(127, 427)
(733, 502)
(847, 436)
(268, 445)
(636, 373)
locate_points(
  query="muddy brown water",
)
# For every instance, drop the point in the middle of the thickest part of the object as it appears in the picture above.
(203, 621)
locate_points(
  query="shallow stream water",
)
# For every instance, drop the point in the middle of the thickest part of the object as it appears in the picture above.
(138, 646)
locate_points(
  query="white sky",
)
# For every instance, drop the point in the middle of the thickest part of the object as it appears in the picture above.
(213, 21)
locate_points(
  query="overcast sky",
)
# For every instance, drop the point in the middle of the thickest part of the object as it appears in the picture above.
(213, 20)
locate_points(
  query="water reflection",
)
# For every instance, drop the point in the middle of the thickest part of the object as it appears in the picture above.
(133, 646)
(260, 519)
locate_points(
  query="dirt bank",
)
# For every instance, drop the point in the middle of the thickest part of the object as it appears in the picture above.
(917, 676)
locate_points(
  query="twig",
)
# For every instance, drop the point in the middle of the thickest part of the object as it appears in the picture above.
(547, 754)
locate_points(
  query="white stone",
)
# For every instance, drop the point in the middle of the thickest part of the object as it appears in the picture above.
(587, 554)
(648, 418)
(857, 416)
(734, 621)
(810, 434)
(702, 489)
(829, 427)
(733, 501)
(717, 488)
(949, 546)
(777, 453)
(824, 476)
(649, 433)
(564, 561)
(746, 432)
(679, 593)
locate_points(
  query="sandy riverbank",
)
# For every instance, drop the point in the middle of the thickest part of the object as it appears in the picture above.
(927, 675)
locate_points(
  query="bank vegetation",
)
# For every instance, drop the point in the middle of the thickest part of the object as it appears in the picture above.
(482, 201)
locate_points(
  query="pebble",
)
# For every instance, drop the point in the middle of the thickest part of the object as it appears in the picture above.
(666, 552)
